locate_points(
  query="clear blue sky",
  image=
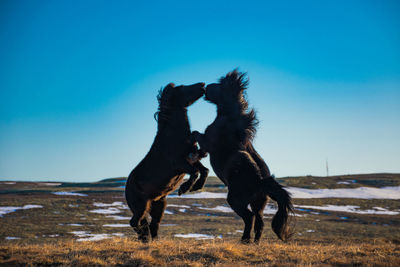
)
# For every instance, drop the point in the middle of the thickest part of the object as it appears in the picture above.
(79, 79)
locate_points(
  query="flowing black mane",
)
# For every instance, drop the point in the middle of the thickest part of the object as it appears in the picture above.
(238, 81)
(159, 96)
(165, 105)
(236, 78)
(251, 123)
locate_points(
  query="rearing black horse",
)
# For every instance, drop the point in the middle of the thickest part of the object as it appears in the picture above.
(228, 140)
(173, 153)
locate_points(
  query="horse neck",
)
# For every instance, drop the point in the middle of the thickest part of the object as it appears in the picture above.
(244, 120)
(232, 110)
(173, 119)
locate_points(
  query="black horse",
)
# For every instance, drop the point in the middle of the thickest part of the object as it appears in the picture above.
(173, 153)
(228, 140)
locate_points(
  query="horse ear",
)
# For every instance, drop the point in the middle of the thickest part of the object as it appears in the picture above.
(163, 91)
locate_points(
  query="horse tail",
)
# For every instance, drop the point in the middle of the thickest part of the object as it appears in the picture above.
(280, 222)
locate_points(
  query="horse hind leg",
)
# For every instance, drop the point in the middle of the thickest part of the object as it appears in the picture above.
(138, 221)
(257, 207)
(156, 213)
(144, 231)
(240, 207)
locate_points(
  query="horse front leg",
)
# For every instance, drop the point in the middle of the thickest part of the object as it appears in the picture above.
(200, 138)
(186, 167)
(203, 176)
(187, 185)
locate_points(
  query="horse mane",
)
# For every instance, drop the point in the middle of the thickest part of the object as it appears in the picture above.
(163, 105)
(236, 80)
(251, 122)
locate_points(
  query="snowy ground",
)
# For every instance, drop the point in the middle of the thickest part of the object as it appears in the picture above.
(392, 192)
(79, 214)
(5, 210)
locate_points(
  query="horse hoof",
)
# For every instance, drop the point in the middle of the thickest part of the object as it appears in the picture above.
(245, 241)
(195, 188)
(144, 239)
(183, 189)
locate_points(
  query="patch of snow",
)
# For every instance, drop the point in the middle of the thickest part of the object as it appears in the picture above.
(179, 206)
(350, 209)
(55, 235)
(310, 231)
(116, 203)
(5, 210)
(61, 193)
(106, 211)
(268, 209)
(219, 209)
(298, 215)
(182, 210)
(391, 192)
(49, 184)
(347, 182)
(168, 212)
(31, 207)
(116, 217)
(12, 238)
(118, 234)
(196, 236)
(84, 236)
(116, 225)
(73, 206)
(74, 224)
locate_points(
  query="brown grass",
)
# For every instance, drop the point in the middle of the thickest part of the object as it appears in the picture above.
(174, 252)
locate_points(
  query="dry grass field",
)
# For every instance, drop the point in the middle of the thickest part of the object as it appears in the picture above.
(174, 252)
(86, 224)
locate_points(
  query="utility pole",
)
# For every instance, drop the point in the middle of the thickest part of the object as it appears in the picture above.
(327, 168)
